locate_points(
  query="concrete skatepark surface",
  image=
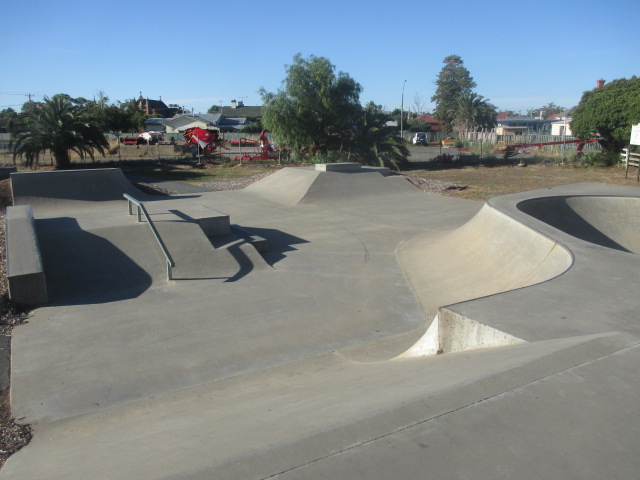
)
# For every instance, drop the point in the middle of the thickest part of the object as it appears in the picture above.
(318, 358)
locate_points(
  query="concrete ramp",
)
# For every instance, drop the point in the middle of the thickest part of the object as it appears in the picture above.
(288, 186)
(55, 189)
(492, 253)
(296, 185)
(611, 222)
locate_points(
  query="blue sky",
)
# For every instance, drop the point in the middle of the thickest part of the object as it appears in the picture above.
(522, 55)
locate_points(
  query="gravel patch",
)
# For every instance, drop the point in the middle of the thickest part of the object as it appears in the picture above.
(234, 183)
(434, 186)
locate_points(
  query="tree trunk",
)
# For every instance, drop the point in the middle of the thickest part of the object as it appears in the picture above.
(62, 159)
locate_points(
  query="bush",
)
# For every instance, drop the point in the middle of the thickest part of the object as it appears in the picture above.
(596, 159)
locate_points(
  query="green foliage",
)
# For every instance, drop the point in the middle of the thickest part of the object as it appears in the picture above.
(7, 117)
(252, 128)
(213, 109)
(315, 108)
(418, 125)
(608, 112)
(375, 144)
(454, 79)
(472, 112)
(596, 159)
(59, 126)
(548, 109)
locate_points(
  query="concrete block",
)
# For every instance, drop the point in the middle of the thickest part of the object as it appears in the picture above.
(25, 273)
(260, 244)
(338, 167)
(212, 222)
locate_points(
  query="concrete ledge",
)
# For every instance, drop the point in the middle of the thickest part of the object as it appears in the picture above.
(25, 273)
(260, 244)
(338, 167)
(212, 222)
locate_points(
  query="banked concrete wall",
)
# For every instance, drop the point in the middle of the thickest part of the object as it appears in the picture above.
(490, 254)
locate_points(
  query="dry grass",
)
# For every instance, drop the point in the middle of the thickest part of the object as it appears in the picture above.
(483, 182)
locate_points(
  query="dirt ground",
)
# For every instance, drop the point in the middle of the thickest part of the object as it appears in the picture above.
(482, 182)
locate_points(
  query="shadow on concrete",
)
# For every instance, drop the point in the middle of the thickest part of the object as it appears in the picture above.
(84, 268)
(245, 264)
(279, 243)
(557, 213)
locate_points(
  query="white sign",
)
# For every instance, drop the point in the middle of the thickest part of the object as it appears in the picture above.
(635, 134)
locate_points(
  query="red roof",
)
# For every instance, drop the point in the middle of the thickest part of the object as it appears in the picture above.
(430, 119)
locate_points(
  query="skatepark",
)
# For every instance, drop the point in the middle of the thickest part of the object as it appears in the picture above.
(326, 322)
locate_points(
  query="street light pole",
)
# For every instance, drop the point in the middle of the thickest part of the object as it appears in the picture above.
(402, 111)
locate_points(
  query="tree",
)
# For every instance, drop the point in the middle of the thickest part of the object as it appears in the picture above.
(7, 117)
(473, 112)
(214, 109)
(454, 80)
(60, 127)
(547, 110)
(131, 118)
(418, 124)
(608, 112)
(315, 108)
(418, 104)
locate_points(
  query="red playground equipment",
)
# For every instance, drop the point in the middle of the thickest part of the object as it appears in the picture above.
(202, 142)
(266, 152)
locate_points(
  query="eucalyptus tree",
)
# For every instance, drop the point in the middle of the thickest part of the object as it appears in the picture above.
(60, 127)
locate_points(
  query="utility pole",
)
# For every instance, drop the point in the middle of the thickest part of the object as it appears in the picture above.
(402, 111)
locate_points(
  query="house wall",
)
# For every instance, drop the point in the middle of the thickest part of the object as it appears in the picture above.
(561, 128)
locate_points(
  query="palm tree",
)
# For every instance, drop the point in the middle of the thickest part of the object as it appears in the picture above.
(473, 112)
(60, 127)
(376, 144)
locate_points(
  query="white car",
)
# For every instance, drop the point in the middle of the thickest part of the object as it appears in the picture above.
(420, 138)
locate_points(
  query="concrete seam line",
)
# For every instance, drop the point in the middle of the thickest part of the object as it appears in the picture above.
(454, 410)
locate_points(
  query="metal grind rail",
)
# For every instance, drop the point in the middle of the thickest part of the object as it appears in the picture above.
(141, 210)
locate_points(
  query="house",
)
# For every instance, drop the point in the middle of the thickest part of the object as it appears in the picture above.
(431, 120)
(151, 107)
(155, 124)
(181, 122)
(519, 125)
(561, 124)
(238, 110)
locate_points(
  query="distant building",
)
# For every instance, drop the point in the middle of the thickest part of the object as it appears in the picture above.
(181, 122)
(239, 110)
(154, 107)
(561, 124)
(431, 120)
(519, 125)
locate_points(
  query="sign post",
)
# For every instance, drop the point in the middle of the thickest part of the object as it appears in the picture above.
(635, 134)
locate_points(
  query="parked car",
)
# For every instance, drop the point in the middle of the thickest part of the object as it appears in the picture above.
(421, 138)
